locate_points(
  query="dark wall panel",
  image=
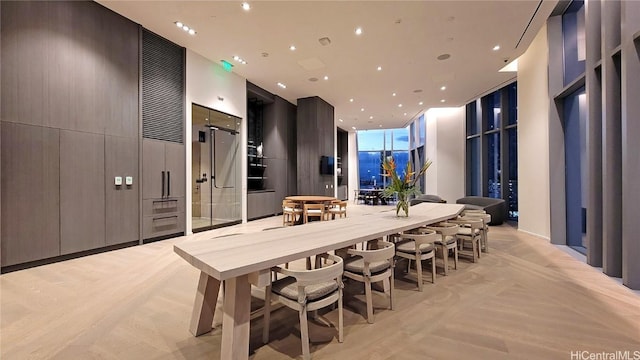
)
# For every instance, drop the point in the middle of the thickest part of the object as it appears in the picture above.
(292, 150)
(82, 191)
(315, 138)
(122, 207)
(70, 69)
(279, 123)
(69, 65)
(30, 193)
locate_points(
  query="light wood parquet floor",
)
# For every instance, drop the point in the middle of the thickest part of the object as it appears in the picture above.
(526, 299)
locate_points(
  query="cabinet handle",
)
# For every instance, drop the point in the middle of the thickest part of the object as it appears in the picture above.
(165, 201)
(163, 184)
(165, 217)
(168, 183)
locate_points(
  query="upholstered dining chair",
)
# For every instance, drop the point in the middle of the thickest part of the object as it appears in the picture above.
(304, 291)
(486, 219)
(448, 241)
(470, 232)
(338, 208)
(315, 211)
(419, 246)
(291, 211)
(370, 266)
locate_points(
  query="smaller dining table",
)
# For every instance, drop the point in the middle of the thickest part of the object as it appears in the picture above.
(313, 199)
(310, 199)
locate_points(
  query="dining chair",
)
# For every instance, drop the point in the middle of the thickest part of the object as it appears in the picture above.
(448, 241)
(418, 246)
(338, 208)
(486, 218)
(291, 211)
(370, 266)
(304, 291)
(470, 232)
(314, 211)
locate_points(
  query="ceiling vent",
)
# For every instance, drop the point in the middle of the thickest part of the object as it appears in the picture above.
(324, 41)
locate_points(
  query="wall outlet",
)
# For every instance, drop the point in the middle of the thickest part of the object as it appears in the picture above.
(128, 180)
(118, 180)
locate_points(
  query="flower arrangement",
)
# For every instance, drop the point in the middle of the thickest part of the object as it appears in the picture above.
(404, 186)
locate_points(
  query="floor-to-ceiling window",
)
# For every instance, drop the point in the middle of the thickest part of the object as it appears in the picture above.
(373, 147)
(491, 147)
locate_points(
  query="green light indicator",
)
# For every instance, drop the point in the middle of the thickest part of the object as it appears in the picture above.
(227, 65)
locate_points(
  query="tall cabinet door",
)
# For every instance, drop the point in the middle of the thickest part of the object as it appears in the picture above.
(82, 191)
(175, 167)
(30, 195)
(122, 201)
(152, 169)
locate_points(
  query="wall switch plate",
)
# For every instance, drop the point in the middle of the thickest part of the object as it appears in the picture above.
(118, 180)
(128, 180)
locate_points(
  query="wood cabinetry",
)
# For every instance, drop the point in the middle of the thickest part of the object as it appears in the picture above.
(122, 203)
(30, 193)
(82, 191)
(261, 204)
(163, 188)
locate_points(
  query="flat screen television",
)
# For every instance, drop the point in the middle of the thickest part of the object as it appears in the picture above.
(326, 165)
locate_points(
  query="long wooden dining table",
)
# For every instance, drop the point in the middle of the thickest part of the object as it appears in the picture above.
(246, 259)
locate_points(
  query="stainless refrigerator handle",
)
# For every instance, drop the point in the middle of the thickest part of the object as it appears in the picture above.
(163, 184)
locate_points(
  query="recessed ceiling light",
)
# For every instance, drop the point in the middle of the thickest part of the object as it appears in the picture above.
(399, 105)
(394, 94)
(496, 48)
(292, 47)
(405, 114)
(313, 79)
(371, 117)
(353, 127)
(340, 120)
(184, 27)
(443, 88)
(444, 56)
(326, 77)
(350, 100)
(246, 6)
(443, 100)
(417, 91)
(420, 103)
(359, 31)
(282, 85)
(239, 59)
(361, 109)
(380, 125)
(379, 68)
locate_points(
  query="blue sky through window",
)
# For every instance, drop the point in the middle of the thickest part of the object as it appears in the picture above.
(373, 145)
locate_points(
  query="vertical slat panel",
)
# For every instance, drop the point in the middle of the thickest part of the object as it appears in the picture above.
(162, 89)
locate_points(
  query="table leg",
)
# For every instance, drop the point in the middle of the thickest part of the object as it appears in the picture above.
(235, 321)
(205, 305)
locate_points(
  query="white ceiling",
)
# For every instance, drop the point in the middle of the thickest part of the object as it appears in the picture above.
(403, 37)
